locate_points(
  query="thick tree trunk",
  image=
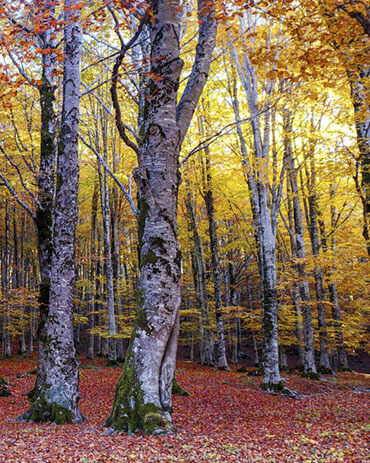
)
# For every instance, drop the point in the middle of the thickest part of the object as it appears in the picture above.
(57, 398)
(143, 395)
(46, 188)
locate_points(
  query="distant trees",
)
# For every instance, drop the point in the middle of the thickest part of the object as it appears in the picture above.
(258, 193)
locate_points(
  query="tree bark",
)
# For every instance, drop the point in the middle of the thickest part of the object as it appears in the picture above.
(143, 395)
(324, 363)
(57, 398)
(200, 284)
(309, 366)
(92, 295)
(108, 270)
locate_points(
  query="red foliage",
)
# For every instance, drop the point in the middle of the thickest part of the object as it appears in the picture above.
(226, 419)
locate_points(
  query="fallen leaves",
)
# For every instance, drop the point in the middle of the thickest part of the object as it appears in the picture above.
(226, 419)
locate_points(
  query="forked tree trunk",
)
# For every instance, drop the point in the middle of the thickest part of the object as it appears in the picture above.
(57, 398)
(143, 394)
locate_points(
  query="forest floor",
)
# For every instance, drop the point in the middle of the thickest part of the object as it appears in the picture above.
(226, 419)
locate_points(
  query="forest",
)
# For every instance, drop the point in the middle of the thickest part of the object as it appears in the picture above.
(185, 230)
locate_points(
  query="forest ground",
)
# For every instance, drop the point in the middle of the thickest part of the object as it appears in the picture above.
(226, 419)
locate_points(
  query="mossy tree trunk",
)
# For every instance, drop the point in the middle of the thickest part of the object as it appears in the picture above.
(56, 399)
(46, 186)
(143, 395)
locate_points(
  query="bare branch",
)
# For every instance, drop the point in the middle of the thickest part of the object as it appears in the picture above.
(222, 132)
(21, 177)
(106, 167)
(17, 198)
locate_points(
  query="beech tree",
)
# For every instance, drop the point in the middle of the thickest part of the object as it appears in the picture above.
(143, 395)
(57, 396)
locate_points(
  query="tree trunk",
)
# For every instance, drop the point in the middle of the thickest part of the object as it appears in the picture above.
(209, 200)
(324, 363)
(57, 398)
(116, 265)
(360, 98)
(6, 277)
(46, 188)
(143, 395)
(92, 295)
(200, 284)
(266, 220)
(342, 356)
(309, 366)
(108, 270)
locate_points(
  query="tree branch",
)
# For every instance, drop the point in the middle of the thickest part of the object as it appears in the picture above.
(106, 167)
(202, 61)
(17, 198)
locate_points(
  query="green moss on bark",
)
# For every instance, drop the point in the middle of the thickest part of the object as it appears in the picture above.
(42, 411)
(177, 389)
(4, 391)
(149, 258)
